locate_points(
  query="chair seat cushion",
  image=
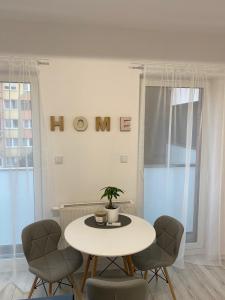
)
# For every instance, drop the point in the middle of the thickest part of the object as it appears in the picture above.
(56, 265)
(152, 257)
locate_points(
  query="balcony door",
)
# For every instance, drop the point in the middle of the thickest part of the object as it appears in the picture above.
(18, 118)
(172, 154)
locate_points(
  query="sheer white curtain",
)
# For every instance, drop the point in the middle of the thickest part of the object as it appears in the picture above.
(181, 149)
(20, 167)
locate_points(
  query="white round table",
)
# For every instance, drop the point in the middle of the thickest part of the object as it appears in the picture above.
(122, 241)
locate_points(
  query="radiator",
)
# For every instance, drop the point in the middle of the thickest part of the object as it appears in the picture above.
(71, 212)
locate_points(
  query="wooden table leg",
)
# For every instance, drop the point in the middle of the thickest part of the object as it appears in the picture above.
(94, 266)
(125, 265)
(130, 265)
(50, 289)
(146, 275)
(86, 272)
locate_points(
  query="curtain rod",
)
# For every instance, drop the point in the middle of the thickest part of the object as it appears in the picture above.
(40, 61)
(160, 64)
(136, 66)
(43, 62)
(210, 69)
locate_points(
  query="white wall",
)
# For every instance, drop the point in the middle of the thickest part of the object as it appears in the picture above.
(90, 88)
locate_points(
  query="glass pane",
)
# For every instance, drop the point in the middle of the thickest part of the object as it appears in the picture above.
(16, 165)
(157, 107)
(172, 144)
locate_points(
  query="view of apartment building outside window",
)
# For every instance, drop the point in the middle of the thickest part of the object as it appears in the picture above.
(15, 125)
(20, 165)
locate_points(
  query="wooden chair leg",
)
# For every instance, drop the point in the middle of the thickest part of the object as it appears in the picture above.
(93, 274)
(133, 267)
(85, 272)
(76, 290)
(164, 274)
(125, 265)
(146, 275)
(33, 287)
(50, 288)
(170, 284)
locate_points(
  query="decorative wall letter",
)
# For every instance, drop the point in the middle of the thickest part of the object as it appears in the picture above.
(59, 122)
(80, 123)
(102, 124)
(125, 124)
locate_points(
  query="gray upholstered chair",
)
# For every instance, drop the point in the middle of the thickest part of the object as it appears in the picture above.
(163, 252)
(99, 289)
(45, 260)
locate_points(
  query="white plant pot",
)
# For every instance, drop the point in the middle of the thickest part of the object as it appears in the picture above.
(112, 214)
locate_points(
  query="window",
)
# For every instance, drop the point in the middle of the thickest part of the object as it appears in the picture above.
(10, 86)
(26, 161)
(12, 161)
(184, 95)
(25, 105)
(11, 123)
(155, 154)
(20, 180)
(6, 86)
(13, 86)
(10, 104)
(26, 87)
(7, 104)
(27, 124)
(12, 142)
(27, 142)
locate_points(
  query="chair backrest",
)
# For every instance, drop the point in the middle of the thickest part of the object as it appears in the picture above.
(40, 238)
(169, 232)
(99, 289)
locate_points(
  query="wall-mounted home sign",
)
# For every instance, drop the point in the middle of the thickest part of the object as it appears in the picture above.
(81, 123)
(59, 122)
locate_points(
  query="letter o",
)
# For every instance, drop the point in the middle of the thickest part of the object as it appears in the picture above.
(80, 124)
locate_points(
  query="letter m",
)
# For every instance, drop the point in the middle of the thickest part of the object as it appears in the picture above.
(102, 124)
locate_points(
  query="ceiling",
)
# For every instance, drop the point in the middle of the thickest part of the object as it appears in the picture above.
(155, 15)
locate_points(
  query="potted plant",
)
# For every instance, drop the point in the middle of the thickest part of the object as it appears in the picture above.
(112, 210)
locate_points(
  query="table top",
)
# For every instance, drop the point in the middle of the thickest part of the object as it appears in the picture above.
(121, 241)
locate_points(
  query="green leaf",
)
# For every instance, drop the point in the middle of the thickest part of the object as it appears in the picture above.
(111, 192)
